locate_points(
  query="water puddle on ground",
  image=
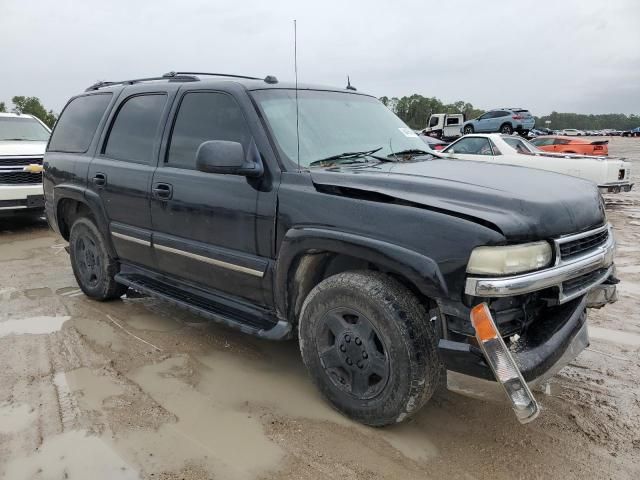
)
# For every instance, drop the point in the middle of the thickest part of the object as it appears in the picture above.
(31, 326)
(229, 439)
(91, 389)
(71, 455)
(22, 249)
(36, 293)
(15, 417)
(614, 336)
(152, 322)
(279, 382)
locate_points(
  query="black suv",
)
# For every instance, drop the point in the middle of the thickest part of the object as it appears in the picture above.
(315, 212)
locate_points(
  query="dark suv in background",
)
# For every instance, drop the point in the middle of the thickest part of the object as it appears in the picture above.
(316, 212)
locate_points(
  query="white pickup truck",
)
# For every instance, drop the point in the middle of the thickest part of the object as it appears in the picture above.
(445, 126)
(23, 139)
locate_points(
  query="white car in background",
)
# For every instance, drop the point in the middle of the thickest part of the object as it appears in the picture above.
(610, 174)
(571, 132)
(23, 139)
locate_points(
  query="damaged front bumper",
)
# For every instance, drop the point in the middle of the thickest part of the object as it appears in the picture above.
(546, 345)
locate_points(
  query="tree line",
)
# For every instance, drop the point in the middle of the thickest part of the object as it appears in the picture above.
(617, 121)
(31, 106)
(415, 111)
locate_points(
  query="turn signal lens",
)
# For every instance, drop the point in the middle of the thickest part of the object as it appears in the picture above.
(503, 365)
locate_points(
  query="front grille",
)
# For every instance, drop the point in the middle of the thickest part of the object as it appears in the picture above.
(21, 161)
(19, 178)
(581, 245)
(579, 283)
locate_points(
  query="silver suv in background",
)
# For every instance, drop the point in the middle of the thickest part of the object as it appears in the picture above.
(23, 139)
(502, 120)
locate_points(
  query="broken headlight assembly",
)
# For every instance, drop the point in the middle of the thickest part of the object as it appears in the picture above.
(510, 259)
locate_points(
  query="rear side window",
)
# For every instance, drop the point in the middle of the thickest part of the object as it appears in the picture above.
(204, 116)
(542, 141)
(501, 114)
(453, 120)
(134, 130)
(471, 146)
(78, 123)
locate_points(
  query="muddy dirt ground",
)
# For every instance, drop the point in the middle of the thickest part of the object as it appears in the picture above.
(137, 389)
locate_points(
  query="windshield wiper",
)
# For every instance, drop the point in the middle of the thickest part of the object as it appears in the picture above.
(346, 156)
(410, 151)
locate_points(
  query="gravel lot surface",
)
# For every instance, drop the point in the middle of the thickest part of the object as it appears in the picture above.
(137, 389)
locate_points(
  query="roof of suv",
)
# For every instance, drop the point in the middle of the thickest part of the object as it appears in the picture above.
(250, 83)
(16, 115)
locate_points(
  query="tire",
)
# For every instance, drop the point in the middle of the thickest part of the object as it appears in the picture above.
(506, 129)
(379, 360)
(468, 129)
(92, 265)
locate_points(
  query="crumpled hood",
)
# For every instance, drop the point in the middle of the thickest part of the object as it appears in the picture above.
(23, 148)
(524, 204)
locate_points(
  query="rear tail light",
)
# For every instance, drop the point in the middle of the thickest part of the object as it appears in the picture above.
(504, 367)
(621, 174)
(598, 147)
(517, 117)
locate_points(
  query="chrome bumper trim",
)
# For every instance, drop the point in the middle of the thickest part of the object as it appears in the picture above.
(599, 258)
(616, 187)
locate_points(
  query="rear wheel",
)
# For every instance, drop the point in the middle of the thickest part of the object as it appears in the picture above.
(369, 347)
(92, 265)
(506, 129)
(468, 129)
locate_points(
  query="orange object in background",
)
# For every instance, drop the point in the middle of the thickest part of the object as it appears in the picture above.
(581, 146)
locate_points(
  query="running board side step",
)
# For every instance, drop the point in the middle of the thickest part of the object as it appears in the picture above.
(205, 305)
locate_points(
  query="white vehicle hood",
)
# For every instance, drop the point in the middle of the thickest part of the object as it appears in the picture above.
(21, 148)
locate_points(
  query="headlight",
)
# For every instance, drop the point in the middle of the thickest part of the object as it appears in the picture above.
(510, 259)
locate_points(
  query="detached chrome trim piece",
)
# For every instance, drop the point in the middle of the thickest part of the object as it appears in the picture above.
(212, 261)
(599, 258)
(127, 238)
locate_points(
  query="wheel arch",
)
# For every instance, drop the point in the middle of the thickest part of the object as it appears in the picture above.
(309, 255)
(72, 202)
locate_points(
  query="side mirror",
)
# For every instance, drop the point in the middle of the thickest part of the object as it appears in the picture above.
(225, 157)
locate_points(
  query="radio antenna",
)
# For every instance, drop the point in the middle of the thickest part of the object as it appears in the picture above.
(295, 67)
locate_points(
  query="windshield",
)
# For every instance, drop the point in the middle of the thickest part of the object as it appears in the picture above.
(521, 145)
(22, 128)
(332, 123)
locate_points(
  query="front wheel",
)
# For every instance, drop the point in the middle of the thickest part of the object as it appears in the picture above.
(468, 129)
(92, 265)
(506, 129)
(369, 347)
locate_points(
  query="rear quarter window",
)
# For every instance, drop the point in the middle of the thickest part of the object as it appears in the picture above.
(78, 123)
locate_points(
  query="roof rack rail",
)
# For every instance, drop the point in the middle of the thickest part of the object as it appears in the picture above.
(173, 78)
(267, 79)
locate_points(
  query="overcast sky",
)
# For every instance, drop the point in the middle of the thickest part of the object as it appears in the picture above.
(563, 55)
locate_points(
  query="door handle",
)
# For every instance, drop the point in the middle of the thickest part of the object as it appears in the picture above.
(163, 191)
(99, 179)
